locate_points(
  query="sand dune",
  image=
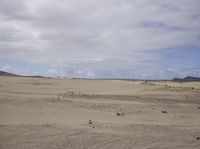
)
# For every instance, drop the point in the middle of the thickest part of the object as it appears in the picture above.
(55, 113)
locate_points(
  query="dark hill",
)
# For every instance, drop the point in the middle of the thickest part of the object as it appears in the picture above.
(3, 73)
(189, 78)
(7, 74)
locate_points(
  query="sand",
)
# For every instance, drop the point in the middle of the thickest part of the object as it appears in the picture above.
(61, 113)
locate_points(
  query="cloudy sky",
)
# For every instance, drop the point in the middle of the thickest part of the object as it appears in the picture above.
(147, 39)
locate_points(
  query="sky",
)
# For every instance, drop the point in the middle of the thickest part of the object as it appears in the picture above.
(129, 39)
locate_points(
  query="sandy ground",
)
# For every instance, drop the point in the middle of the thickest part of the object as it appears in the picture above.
(55, 113)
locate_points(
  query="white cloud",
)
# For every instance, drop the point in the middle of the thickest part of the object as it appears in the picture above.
(6, 68)
(96, 36)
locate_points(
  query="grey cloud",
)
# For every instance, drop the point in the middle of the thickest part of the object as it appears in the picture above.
(118, 34)
(16, 10)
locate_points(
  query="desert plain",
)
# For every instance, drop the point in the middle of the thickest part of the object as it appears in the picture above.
(62, 113)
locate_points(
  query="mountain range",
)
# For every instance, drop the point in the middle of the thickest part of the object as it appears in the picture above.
(188, 78)
(8, 74)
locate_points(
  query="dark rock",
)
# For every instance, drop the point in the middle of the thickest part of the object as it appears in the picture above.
(164, 111)
(119, 114)
(90, 122)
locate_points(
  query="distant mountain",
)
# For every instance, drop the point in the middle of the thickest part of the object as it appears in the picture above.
(189, 78)
(35, 76)
(3, 73)
(8, 74)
